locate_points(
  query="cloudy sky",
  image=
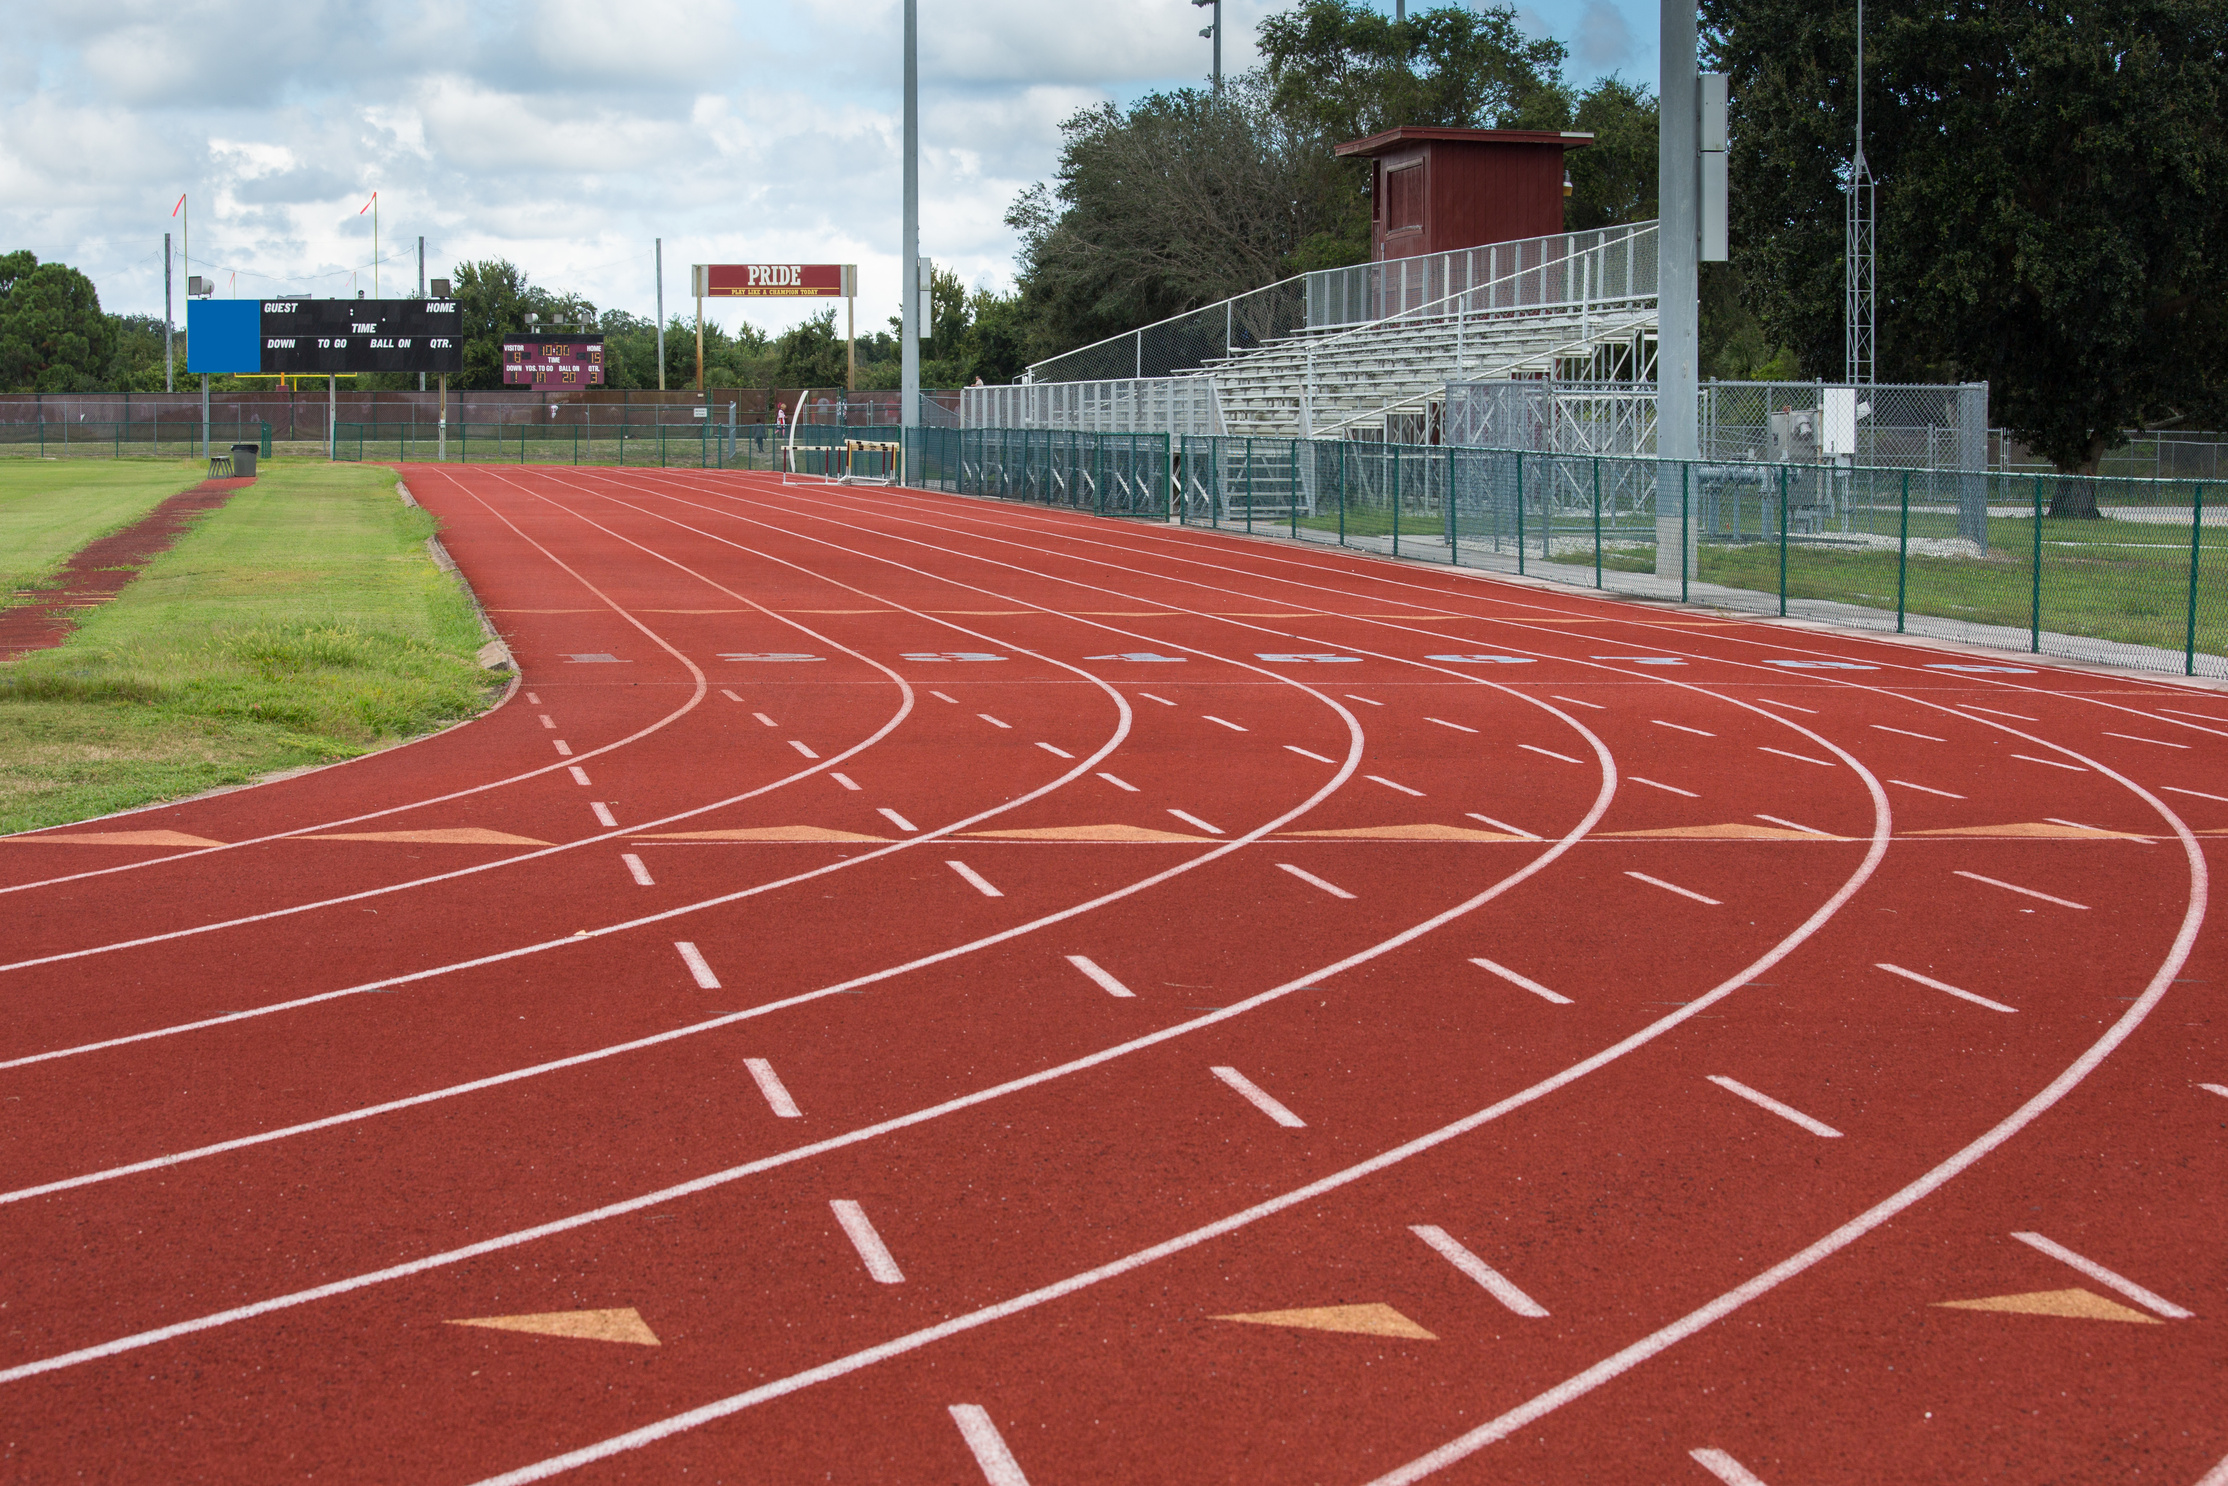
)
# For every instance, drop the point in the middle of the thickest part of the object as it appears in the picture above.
(566, 135)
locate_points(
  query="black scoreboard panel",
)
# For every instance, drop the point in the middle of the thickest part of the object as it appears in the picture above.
(318, 336)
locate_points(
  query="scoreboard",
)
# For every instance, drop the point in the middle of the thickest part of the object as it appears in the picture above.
(322, 336)
(554, 361)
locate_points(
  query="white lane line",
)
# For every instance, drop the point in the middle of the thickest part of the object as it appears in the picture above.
(1945, 986)
(994, 722)
(1790, 706)
(1451, 1250)
(1725, 1468)
(975, 879)
(2217, 1476)
(1188, 817)
(723, 691)
(1309, 877)
(1230, 725)
(1387, 783)
(549, 722)
(894, 818)
(942, 698)
(1458, 727)
(1363, 700)
(1881, 727)
(1548, 752)
(1526, 982)
(533, 700)
(604, 817)
(1598, 707)
(1260, 1098)
(1104, 981)
(844, 780)
(1792, 825)
(808, 753)
(2159, 742)
(999, 1467)
(579, 775)
(2053, 763)
(2016, 888)
(1991, 711)
(874, 1253)
(1803, 757)
(1303, 753)
(1672, 887)
(2220, 1089)
(1682, 727)
(640, 873)
(564, 749)
(2198, 793)
(2059, 820)
(769, 1084)
(699, 967)
(1118, 783)
(1056, 752)
(1148, 696)
(2204, 716)
(1502, 825)
(762, 717)
(1926, 789)
(1674, 789)
(2103, 1276)
(1766, 1101)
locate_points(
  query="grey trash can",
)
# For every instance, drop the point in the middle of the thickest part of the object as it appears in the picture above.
(243, 460)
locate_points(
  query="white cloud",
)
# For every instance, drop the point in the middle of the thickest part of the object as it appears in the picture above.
(1604, 37)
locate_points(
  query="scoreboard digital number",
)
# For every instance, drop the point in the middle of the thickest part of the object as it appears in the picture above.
(561, 361)
(323, 336)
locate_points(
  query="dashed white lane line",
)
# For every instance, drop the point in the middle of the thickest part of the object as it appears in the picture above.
(808, 753)
(2095, 1271)
(1991, 711)
(894, 818)
(723, 691)
(1944, 986)
(1148, 696)
(1927, 789)
(1681, 727)
(1451, 1250)
(1784, 1111)
(2198, 793)
(2016, 888)
(534, 701)
(1309, 877)
(769, 1083)
(579, 775)
(762, 717)
(975, 879)
(942, 698)
(1725, 1468)
(2156, 742)
(1222, 722)
(1303, 753)
(2218, 1475)
(1790, 706)
(1598, 707)
(1502, 825)
(1881, 727)
(994, 722)
(1526, 982)
(1387, 783)
(604, 817)
(844, 780)
(1100, 978)
(699, 967)
(2220, 1089)
(1259, 1098)
(872, 1251)
(988, 1446)
(1802, 757)
(1780, 820)
(1547, 752)
(1190, 819)
(549, 722)
(640, 873)
(1671, 788)
(2059, 820)
(1458, 727)
(1672, 887)
(1118, 783)
(1055, 752)
(2178, 712)
(1365, 701)
(2049, 762)
(564, 749)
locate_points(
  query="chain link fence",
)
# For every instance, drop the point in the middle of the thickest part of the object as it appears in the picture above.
(1108, 474)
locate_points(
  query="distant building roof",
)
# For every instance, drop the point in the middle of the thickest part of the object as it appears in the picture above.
(1407, 134)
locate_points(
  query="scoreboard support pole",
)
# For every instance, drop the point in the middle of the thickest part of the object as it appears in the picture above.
(441, 437)
(332, 414)
(204, 415)
(851, 342)
(700, 337)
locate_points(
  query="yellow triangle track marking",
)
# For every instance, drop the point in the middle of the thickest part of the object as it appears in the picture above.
(462, 836)
(2032, 830)
(2080, 1305)
(1085, 833)
(1365, 1320)
(116, 838)
(622, 1325)
(1732, 831)
(1403, 833)
(764, 833)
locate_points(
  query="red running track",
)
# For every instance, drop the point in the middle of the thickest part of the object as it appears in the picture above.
(901, 974)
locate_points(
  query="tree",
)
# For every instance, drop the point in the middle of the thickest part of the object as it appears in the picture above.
(1347, 71)
(1613, 180)
(2050, 210)
(53, 336)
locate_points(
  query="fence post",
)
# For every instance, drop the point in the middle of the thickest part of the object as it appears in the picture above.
(2035, 632)
(1342, 443)
(1168, 492)
(2196, 533)
(1685, 496)
(1597, 521)
(1394, 451)
(1454, 527)
(1294, 450)
(1249, 484)
(1520, 513)
(1903, 553)
(1783, 541)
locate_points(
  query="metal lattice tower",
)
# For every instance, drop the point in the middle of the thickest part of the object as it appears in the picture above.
(1860, 264)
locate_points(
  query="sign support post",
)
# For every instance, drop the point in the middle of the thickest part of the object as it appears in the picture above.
(441, 443)
(660, 255)
(700, 333)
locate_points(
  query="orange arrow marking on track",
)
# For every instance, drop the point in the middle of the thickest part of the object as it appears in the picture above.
(2081, 1305)
(465, 836)
(622, 1325)
(1365, 1320)
(117, 838)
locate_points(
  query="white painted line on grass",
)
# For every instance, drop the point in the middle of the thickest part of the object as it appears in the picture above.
(1725, 1468)
(1881, 727)
(1674, 789)
(1303, 753)
(1526, 982)
(994, 722)
(808, 753)
(699, 967)
(1802, 757)
(549, 722)
(1458, 727)
(2095, 1271)
(1548, 752)
(1926, 789)
(942, 698)
(723, 691)
(1766, 1101)
(2159, 742)
(579, 775)
(1502, 825)
(770, 1085)
(1104, 981)
(1451, 1250)
(762, 717)
(1790, 706)
(1945, 986)
(1682, 727)
(640, 873)
(999, 1467)
(1118, 783)
(1792, 825)
(1309, 877)
(1230, 725)
(1189, 818)
(1387, 783)
(894, 818)
(564, 749)
(975, 879)
(872, 1250)
(1598, 707)
(2016, 888)
(1056, 752)
(2198, 793)
(1148, 696)
(1672, 887)
(2051, 762)
(604, 817)
(1363, 700)
(1991, 711)
(1260, 1098)
(844, 780)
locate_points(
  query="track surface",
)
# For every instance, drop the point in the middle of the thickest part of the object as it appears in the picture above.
(900, 973)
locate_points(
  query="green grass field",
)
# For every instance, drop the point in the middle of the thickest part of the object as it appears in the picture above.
(49, 509)
(301, 624)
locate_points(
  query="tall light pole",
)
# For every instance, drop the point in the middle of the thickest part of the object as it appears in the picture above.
(909, 348)
(1215, 31)
(1678, 277)
(1860, 264)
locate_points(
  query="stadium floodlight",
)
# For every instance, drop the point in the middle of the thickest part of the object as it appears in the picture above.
(1214, 31)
